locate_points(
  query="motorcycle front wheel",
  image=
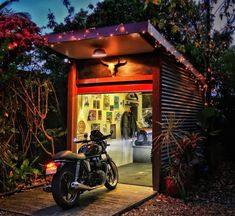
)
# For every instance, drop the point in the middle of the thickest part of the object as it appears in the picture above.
(65, 196)
(112, 176)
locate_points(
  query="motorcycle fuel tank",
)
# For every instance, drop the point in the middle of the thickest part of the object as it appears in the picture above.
(90, 149)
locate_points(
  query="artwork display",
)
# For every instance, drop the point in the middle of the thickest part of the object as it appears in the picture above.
(91, 115)
(99, 114)
(109, 116)
(111, 107)
(96, 104)
(147, 101)
(117, 116)
(81, 127)
(106, 102)
(104, 112)
(86, 101)
(113, 129)
(116, 102)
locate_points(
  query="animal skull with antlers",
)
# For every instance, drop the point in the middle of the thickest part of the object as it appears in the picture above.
(113, 66)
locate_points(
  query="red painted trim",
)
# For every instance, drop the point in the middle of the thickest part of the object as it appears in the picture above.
(115, 79)
(71, 107)
(156, 155)
(114, 88)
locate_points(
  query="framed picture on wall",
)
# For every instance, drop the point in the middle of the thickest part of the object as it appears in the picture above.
(109, 116)
(117, 116)
(96, 104)
(91, 115)
(147, 101)
(106, 102)
(113, 129)
(111, 107)
(99, 114)
(116, 102)
(86, 101)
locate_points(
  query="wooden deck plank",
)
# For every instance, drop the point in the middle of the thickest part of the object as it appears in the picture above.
(99, 202)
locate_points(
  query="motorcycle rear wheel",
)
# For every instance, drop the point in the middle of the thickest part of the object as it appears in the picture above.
(112, 176)
(65, 196)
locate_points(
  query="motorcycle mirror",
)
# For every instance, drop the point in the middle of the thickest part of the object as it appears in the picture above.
(85, 135)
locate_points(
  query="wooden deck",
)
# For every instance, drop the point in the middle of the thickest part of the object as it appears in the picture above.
(98, 202)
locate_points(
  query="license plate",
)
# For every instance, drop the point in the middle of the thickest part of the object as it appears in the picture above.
(51, 168)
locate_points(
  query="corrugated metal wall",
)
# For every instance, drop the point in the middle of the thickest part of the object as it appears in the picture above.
(179, 95)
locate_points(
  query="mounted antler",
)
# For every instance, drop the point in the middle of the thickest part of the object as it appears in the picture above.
(113, 67)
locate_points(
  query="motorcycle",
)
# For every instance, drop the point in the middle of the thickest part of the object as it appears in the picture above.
(70, 174)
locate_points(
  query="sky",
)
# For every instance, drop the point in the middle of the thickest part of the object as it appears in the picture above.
(39, 9)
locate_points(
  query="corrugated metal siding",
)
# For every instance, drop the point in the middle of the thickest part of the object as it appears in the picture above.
(180, 95)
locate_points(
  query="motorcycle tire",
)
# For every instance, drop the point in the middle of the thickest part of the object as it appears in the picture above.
(65, 196)
(112, 176)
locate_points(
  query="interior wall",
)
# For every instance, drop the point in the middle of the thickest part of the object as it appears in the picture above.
(104, 112)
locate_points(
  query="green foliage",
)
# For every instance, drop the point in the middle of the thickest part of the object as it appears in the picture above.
(23, 174)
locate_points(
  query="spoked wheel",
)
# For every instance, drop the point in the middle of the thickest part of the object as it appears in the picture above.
(112, 176)
(63, 194)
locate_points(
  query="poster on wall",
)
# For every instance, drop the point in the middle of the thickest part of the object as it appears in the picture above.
(96, 104)
(111, 107)
(113, 129)
(91, 115)
(95, 127)
(117, 116)
(81, 127)
(116, 102)
(85, 101)
(106, 102)
(109, 116)
(99, 114)
(147, 101)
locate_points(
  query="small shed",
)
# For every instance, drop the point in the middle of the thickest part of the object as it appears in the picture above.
(137, 71)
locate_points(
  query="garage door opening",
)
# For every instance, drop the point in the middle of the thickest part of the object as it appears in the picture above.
(129, 117)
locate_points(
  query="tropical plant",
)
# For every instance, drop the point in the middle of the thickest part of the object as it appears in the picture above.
(185, 159)
(27, 95)
(22, 175)
(184, 152)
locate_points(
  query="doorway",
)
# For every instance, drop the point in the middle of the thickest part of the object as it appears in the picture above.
(129, 117)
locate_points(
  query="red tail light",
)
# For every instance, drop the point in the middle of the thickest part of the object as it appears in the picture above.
(51, 168)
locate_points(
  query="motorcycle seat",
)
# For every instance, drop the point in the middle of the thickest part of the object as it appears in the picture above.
(69, 155)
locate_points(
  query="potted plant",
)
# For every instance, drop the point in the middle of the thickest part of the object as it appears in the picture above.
(185, 159)
(183, 154)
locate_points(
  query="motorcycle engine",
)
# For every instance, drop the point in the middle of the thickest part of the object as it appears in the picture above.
(97, 178)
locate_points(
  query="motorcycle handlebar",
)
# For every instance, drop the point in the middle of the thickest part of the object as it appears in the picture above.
(101, 139)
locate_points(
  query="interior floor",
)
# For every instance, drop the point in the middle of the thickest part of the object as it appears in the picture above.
(136, 174)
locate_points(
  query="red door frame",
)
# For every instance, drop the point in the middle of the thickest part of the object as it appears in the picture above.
(71, 106)
(153, 86)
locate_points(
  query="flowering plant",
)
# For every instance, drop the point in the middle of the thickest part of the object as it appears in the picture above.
(17, 35)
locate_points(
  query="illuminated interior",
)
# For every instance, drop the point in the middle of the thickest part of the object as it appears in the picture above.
(129, 116)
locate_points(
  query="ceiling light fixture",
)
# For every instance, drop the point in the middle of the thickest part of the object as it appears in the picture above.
(99, 53)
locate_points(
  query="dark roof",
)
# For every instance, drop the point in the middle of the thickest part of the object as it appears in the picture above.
(122, 39)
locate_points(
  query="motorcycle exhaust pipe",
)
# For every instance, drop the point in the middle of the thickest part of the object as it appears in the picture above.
(47, 188)
(80, 186)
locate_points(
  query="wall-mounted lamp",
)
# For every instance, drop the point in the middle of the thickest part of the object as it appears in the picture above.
(98, 53)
